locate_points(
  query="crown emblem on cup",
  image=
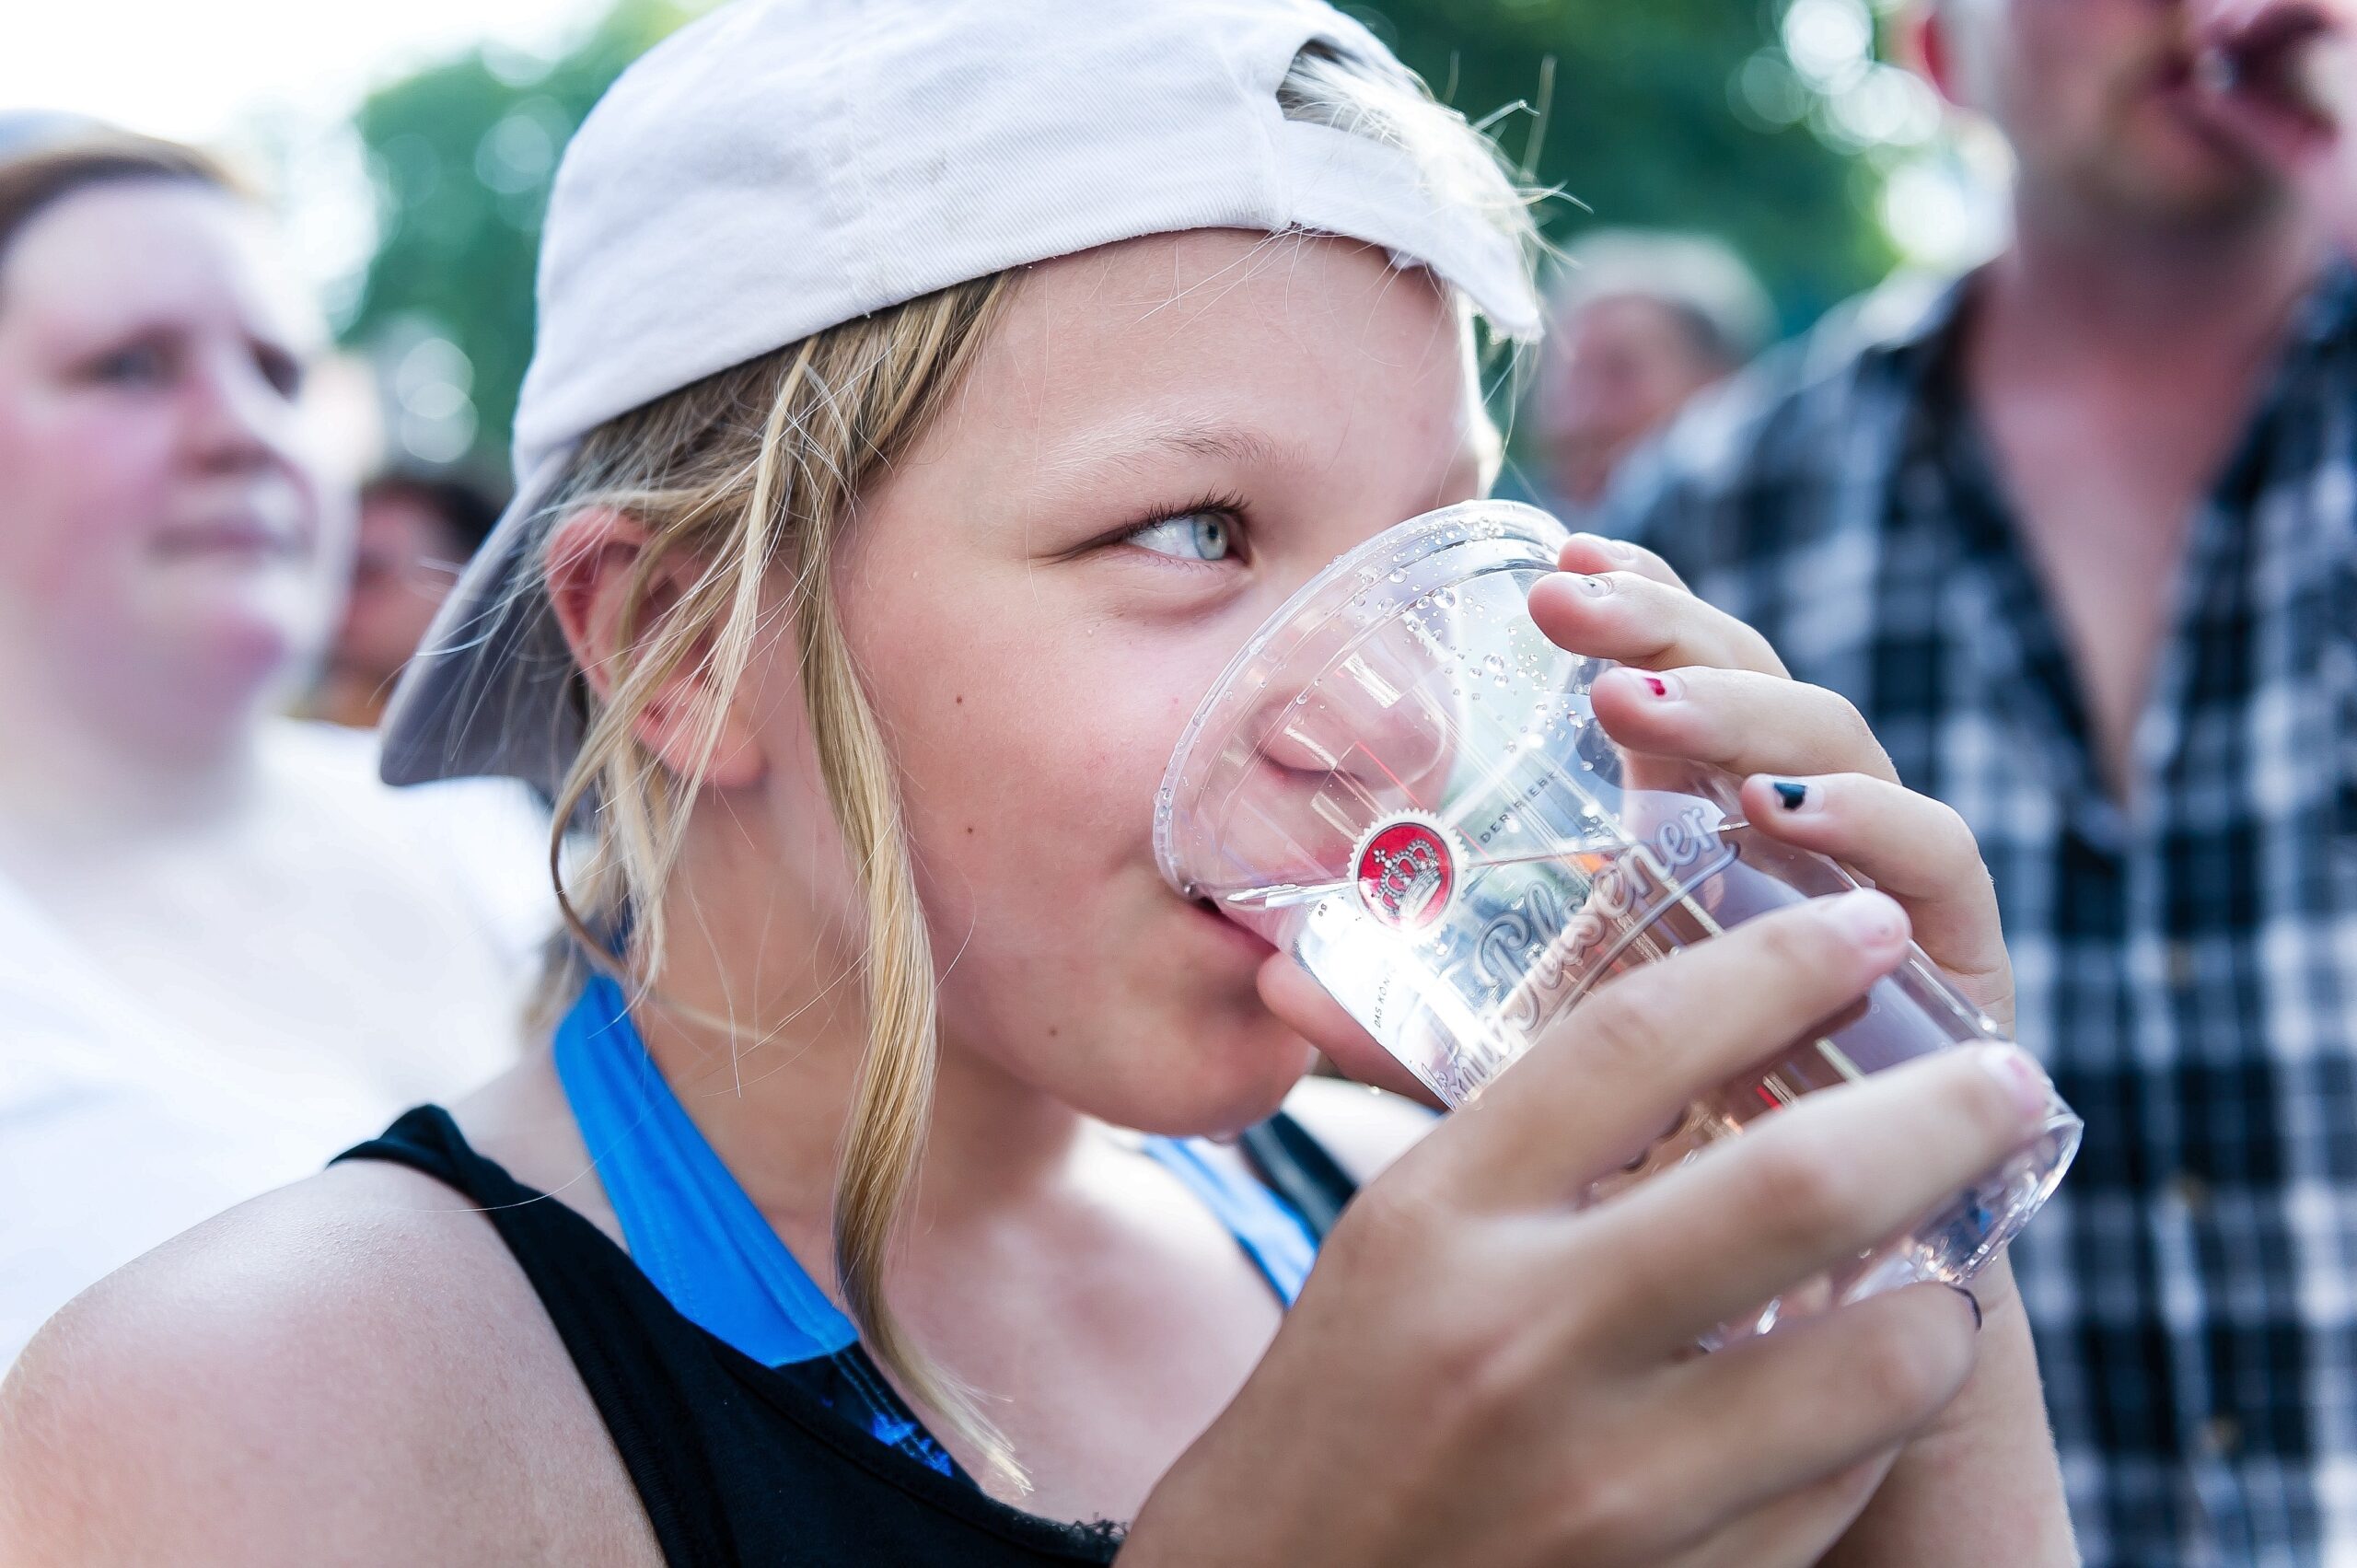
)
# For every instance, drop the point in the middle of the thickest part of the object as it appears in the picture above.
(1404, 872)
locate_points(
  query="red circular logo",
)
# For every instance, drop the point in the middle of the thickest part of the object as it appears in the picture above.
(1405, 874)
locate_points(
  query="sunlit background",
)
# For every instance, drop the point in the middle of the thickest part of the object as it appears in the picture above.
(411, 142)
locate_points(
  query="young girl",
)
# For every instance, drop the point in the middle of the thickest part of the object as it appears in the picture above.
(929, 399)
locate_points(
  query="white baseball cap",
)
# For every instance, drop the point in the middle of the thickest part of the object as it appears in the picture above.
(780, 167)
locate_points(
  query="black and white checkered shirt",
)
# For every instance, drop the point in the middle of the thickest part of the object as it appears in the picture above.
(2188, 968)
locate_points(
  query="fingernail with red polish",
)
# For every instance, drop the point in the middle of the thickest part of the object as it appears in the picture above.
(1665, 687)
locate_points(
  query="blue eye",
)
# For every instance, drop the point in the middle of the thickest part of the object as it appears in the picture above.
(1190, 536)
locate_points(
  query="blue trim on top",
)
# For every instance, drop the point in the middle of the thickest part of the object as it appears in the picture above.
(694, 1232)
(689, 1226)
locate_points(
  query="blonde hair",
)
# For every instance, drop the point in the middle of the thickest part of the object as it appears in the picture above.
(748, 477)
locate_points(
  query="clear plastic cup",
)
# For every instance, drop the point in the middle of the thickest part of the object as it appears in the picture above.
(1399, 781)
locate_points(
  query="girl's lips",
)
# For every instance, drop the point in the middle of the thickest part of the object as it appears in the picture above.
(1243, 940)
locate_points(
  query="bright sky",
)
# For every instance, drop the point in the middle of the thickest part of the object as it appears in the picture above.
(201, 71)
(269, 81)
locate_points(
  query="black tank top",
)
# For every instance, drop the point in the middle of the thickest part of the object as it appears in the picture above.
(739, 1463)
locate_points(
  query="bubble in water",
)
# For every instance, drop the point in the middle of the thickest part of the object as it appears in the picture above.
(1398, 575)
(1497, 669)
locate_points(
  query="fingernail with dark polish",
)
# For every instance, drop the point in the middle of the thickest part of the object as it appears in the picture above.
(1973, 1301)
(1790, 796)
(1595, 587)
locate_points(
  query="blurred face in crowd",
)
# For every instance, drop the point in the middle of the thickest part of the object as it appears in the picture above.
(169, 544)
(1617, 369)
(2098, 99)
(406, 560)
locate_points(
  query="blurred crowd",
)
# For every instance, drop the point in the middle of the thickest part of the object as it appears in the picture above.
(2076, 532)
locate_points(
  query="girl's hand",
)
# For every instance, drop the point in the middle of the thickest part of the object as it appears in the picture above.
(1987, 1462)
(1725, 699)
(1483, 1372)
(1470, 1330)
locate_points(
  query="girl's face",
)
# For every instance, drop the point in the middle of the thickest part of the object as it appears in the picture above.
(1162, 440)
(161, 531)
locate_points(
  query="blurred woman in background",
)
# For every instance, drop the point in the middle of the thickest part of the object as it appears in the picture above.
(224, 947)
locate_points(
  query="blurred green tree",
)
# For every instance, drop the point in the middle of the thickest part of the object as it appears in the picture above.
(1651, 117)
(462, 155)
(1638, 111)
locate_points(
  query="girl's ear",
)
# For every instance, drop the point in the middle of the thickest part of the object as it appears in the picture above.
(594, 558)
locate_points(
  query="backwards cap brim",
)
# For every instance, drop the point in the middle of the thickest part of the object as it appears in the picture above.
(493, 690)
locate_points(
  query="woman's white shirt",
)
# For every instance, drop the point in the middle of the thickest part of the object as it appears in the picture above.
(188, 1020)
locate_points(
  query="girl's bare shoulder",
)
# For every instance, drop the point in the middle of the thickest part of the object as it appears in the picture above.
(351, 1369)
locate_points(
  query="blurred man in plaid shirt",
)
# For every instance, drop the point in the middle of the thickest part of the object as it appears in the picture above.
(2079, 535)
